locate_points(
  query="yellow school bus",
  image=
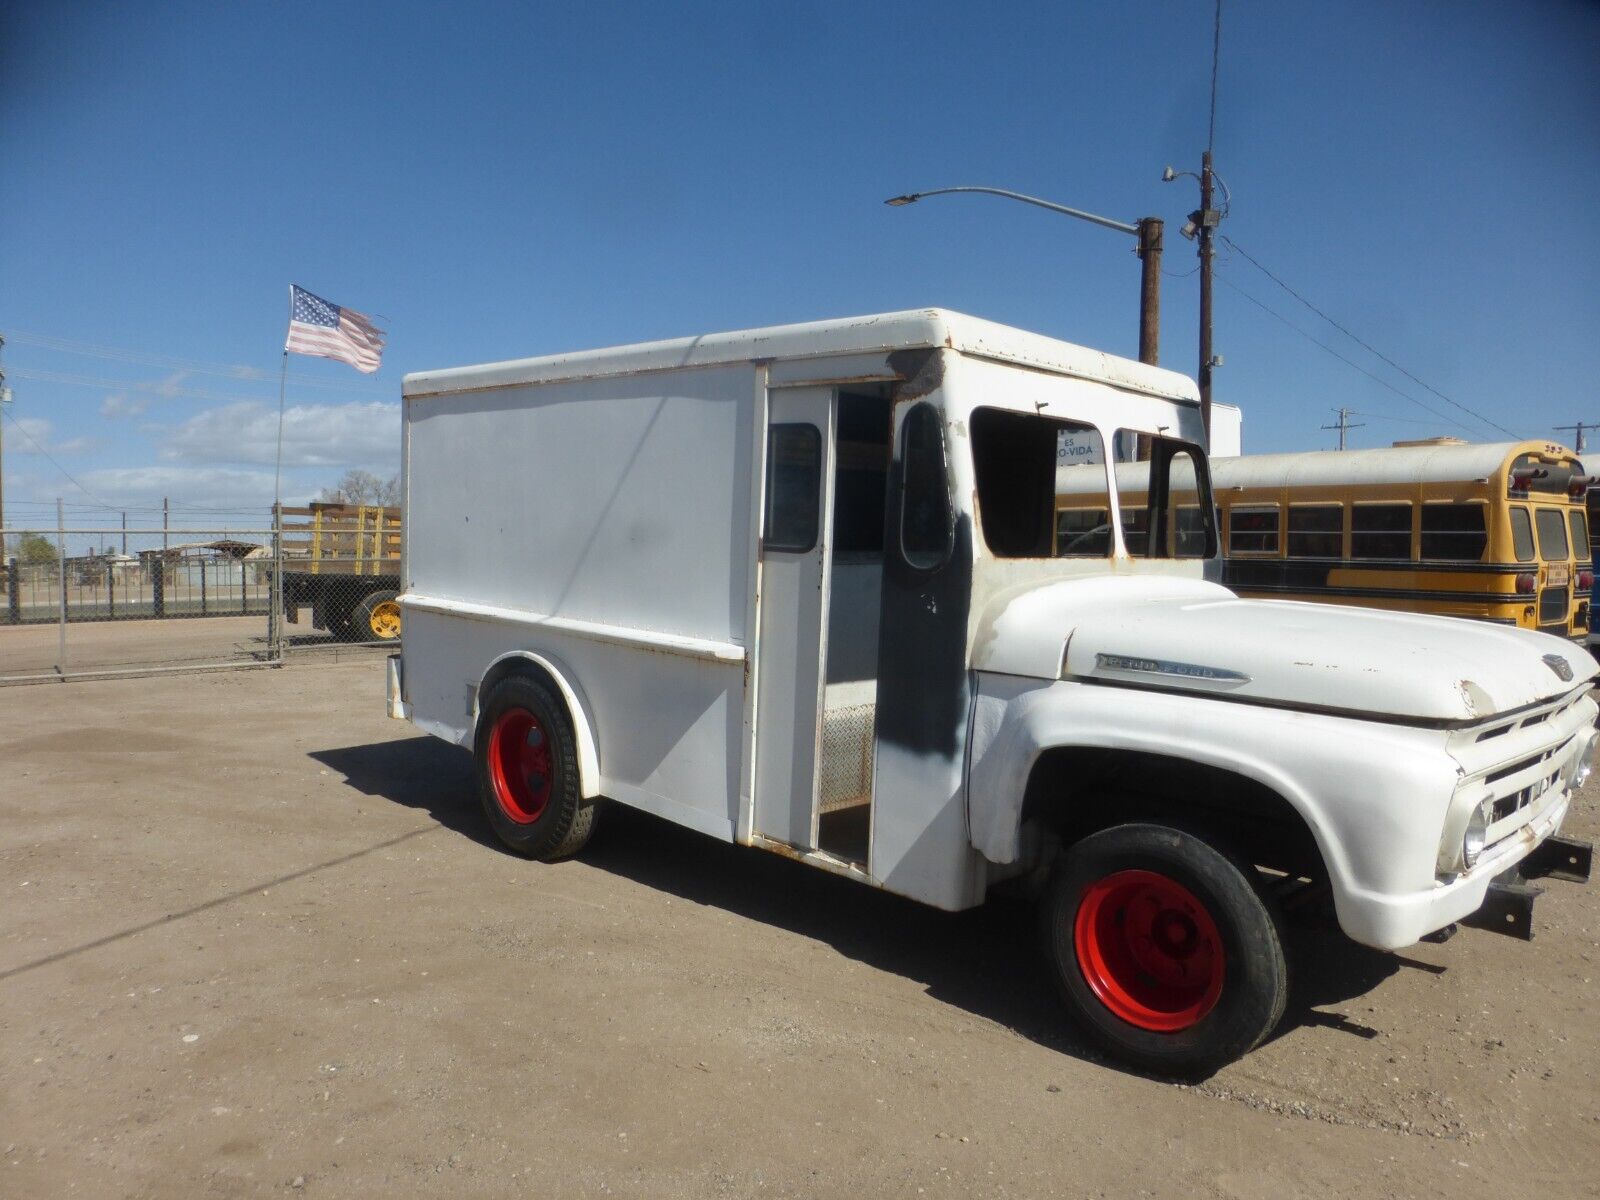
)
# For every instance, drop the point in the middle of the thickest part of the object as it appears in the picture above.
(1492, 532)
(1496, 532)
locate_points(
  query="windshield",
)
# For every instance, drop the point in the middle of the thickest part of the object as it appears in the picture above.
(1043, 491)
(1167, 510)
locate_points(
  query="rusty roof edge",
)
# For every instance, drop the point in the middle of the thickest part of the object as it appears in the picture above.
(881, 332)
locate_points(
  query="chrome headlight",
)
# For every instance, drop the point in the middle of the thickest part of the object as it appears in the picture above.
(1585, 767)
(1477, 832)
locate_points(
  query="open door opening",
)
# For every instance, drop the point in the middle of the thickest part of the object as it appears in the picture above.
(863, 425)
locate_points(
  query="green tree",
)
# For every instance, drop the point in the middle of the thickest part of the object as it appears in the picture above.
(36, 548)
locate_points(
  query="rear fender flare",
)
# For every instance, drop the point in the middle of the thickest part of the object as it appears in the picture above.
(530, 663)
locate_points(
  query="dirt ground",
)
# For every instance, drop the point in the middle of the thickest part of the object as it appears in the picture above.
(254, 940)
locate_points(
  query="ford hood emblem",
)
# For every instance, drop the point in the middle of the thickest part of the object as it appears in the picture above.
(1560, 666)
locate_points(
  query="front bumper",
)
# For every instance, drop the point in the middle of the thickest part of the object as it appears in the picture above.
(1392, 922)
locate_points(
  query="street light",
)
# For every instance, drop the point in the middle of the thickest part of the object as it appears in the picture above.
(1146, 229)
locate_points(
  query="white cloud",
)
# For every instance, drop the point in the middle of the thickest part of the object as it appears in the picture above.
(120, 404)
(187, 487)
(331, 435)
(36, 438)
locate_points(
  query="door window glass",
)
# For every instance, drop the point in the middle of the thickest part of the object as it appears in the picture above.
(925, 527)
(794, 487)
(1580, 533)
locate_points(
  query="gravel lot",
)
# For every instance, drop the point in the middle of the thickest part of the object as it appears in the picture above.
(254, 940)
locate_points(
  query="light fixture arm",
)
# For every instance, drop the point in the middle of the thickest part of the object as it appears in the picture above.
(1093, 219)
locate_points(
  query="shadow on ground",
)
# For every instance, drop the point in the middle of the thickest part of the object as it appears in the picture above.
(984, 961)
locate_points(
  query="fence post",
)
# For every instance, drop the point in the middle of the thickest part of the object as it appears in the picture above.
(61, 564)
(158, 586)
(202, 585)
(14, 592)
(111, 590)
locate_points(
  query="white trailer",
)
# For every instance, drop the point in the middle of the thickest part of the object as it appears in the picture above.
(805, 589)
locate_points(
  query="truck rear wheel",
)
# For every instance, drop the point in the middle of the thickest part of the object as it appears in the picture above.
(376, 618)
(527, 768)
(1163, 947)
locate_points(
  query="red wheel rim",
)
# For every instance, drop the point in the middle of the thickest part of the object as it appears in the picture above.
(519, 765)
(1149, 950)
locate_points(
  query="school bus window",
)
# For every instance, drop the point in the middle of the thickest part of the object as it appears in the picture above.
(1136, 531)
(1521, 534)
(1253, 530)
(1552, 534)
(1189, 530)
(1380, 531)
(1454, 532)
(1083, 533)
(1580, 532)
(1315, 530)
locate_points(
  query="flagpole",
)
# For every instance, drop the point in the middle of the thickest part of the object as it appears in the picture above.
(275, 601)
(277, 471)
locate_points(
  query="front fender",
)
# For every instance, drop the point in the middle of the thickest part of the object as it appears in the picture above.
(1374, 796)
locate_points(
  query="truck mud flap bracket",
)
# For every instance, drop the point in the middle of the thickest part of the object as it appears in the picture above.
(1507, 907)
(1559, 858)
(1508, 904)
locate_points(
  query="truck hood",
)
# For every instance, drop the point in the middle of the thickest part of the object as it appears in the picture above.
(1187, 635)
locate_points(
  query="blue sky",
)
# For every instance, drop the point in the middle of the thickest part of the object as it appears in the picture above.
(506, 180)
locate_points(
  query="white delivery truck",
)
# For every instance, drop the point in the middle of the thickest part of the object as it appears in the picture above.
(805, 588)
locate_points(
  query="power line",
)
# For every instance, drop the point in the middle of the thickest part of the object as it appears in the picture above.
(1350, 362)
(24, 432)
(1371, 349)
(1397, 420)
(1216, 58)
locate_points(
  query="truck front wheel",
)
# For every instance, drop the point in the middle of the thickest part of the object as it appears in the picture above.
(1163, 947)
(527, 768)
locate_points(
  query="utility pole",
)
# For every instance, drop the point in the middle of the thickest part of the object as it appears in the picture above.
(1344, 423)
(1207, 222)
(1578, 429)
(1150, 230)
(5, 398)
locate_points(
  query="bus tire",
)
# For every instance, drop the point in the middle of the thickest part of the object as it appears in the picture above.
(1164, 948)
(376, 618)
(527, 771)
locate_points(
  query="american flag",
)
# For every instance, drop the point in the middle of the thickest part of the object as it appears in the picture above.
(327, 331)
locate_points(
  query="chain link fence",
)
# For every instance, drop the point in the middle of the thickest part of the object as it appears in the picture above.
(80, 602)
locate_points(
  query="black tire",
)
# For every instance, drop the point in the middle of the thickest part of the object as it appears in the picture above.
(1210, 932)
(376, 618)
(528, 775)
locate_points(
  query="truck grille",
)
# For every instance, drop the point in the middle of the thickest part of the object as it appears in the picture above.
(1522, 763)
